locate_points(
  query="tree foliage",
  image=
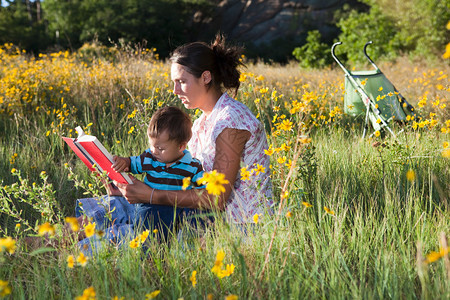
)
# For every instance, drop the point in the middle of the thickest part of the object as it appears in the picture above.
(21, 23)
(396, 27)
(413, 27)
(161, 23)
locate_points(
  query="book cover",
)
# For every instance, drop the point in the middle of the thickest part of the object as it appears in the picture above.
(95, 156)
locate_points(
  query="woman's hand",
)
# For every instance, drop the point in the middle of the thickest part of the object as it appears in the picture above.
(138, 192)
(111, 188)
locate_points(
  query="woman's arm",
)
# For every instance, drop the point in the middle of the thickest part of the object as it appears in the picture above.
(229, 147)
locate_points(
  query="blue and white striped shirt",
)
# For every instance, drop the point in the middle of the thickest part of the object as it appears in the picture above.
(160, 177)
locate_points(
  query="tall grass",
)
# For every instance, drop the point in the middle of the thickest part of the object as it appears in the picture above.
(372, 241)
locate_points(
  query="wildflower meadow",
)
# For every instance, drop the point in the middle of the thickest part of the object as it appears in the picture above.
(354, 218)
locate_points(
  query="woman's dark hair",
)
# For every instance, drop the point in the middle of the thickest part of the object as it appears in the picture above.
(219, 59)
(177, 123)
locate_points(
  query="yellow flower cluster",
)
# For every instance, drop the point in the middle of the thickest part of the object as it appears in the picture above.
(218, 264)
(140, 239)
(88, 294)
(434, 256)
(5, 288)
(7, 244)
(245, 173)
(214, 181)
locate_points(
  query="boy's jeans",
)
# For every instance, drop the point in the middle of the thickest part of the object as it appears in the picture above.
(120, 220)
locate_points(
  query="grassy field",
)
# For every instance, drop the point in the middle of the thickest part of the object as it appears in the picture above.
(355, 218)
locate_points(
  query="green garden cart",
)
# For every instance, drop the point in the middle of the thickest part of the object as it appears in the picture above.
(371, 94)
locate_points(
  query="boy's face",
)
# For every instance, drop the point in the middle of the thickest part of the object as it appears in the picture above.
(165, 150)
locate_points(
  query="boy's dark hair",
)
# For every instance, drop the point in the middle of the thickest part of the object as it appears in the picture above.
(177, 123)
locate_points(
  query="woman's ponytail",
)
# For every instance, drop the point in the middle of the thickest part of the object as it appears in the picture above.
(228, 61)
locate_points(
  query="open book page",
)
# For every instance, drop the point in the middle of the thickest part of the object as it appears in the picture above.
(89, 149)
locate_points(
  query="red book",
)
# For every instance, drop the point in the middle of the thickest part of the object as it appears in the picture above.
(95, 156)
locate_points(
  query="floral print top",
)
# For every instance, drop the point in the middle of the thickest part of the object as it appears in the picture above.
(248, 197)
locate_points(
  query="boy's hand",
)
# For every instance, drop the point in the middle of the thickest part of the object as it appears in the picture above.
(121, 164)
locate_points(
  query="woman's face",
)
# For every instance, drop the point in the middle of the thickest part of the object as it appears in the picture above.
(189, 89)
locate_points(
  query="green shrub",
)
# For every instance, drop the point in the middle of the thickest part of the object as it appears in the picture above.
(314, 54)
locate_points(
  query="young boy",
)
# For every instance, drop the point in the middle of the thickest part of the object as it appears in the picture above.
(166, 163)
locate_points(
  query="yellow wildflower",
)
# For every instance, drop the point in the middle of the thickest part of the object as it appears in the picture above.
(269, 151)
(152, 295)
(245, 174)
(289, 214)
(5, 288)
(377, 133)
(214, 182)
(446, 153)
(445, 145)
(193, 278)
(134, 243)
(89, 229)
(411, 175)
(82, 259)
(281, 160)
(229, 269)
(46, 228)
(285, 147)
(446, 55)
(144, 235)
(218, 262)
(264, 90)
(232, 297)
(255, 218)
(73, 222)
(305, 140)
(88, 294)
(434, 256)
(306, 204)
(70, 261)
(186, 183)
(8, 244)
(286, 125)
(328, 210)
(260, 169)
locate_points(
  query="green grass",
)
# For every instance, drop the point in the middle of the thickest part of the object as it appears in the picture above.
(373, 246)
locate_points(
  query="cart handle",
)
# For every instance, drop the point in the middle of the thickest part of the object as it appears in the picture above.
(365, 53)
(335, 57)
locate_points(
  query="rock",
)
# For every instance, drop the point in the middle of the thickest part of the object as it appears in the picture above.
(261, 24)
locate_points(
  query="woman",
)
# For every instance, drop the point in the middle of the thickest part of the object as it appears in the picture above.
(226, 137)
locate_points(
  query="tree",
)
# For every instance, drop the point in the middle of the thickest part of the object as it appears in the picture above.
(162, 23)
(21, 24)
